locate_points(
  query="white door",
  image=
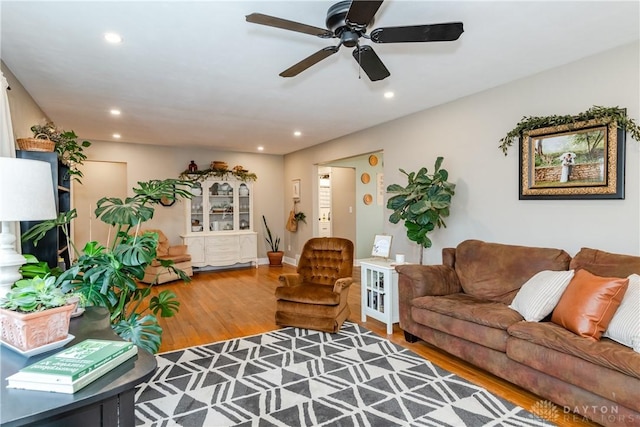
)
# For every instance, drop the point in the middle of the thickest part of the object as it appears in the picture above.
(101, 179)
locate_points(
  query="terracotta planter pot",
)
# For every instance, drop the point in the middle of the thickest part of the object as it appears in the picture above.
(27, 331)
(275, 258)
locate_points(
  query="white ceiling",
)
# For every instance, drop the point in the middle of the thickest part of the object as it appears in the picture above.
(196, 74)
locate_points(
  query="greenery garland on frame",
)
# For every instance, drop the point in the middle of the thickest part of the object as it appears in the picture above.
(203, 175)
(608, 114)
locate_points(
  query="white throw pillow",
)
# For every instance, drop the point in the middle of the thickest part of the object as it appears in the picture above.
(625, 325)
(540, 294)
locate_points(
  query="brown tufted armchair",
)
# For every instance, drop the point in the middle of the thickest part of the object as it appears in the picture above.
(178, 253)
(316, 296)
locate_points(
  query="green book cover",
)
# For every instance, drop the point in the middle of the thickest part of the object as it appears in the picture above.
(76, 361)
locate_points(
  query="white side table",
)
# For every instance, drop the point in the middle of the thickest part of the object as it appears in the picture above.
(379, 289)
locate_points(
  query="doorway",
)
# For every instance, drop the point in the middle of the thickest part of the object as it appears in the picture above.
(356, 200)
(101, 179)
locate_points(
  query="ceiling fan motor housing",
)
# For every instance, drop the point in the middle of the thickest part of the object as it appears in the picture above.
(337, 23)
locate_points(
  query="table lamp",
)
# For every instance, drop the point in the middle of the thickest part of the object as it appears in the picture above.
(26, 194)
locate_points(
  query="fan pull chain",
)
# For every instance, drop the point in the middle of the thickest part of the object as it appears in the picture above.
(359, 61)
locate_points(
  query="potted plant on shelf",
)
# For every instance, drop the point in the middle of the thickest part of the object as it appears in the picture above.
(108, 275)
(66, 145)
(422, 204)
(274, 255)
(35, 312)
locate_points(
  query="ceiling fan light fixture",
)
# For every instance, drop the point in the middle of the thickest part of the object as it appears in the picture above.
(348, 21)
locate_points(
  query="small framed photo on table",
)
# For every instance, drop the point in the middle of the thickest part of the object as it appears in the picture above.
(381, 246)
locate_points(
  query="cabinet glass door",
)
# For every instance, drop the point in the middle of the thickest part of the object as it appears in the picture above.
(197, 209)
(244, 207)
(221, 201)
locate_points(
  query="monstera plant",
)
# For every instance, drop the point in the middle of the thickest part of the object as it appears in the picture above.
(422, 204)
(108, 275)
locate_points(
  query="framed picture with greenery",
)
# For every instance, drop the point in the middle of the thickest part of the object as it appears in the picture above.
(581, 160)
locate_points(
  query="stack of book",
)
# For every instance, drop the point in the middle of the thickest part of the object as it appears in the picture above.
(73, 368)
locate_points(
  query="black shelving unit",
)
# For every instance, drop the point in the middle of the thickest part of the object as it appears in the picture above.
(54, 243)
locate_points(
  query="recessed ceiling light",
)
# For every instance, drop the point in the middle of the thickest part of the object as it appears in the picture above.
(115, 112)
(113, 38)
(116, 135)
(389, 95)
(297, 133)
(261, 148)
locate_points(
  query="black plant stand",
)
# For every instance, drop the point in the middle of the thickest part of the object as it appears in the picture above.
(108, 401)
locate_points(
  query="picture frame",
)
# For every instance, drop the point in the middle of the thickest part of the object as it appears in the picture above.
(296, 189)
(381, 246)
(582, 160)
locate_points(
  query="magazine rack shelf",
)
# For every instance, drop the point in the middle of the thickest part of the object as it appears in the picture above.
(379, 287)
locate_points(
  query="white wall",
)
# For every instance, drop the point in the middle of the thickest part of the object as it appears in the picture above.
(146, 162)
(466, 133)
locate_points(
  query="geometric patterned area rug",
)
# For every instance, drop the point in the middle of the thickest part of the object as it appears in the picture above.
(299, 377)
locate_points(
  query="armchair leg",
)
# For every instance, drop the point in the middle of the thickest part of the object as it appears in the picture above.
(410, 338)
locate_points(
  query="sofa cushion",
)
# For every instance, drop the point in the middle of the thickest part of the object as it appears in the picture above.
(604, 263)
(495, 272)
(480, 321)
(588, 304)
(605, 352)
(625, 324)
(537, 298)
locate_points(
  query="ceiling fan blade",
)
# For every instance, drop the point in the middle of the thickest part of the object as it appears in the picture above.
(419, 33)
(309, 61)
(272, 21)
(362, 12)
(370, 63)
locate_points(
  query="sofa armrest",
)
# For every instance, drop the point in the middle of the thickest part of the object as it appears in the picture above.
(177, 250)
(290, 279)
(342, 284)
(426, 280)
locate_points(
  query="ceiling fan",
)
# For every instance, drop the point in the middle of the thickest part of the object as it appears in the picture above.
(348, 21)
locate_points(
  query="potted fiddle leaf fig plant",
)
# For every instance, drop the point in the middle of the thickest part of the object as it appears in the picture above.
(35, 311)
(275, 255)
(109, 275)
(422, 204)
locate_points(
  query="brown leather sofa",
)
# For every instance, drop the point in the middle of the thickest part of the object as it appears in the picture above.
(155, 272)
(462, 307)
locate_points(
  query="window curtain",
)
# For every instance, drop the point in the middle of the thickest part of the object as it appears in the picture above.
(7, 143)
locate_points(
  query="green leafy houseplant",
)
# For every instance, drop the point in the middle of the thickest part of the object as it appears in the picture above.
(274, 243)
(108, 275)
(607, 114)
(300, 217)
(69, 150)
(422, 204)
(34, 294)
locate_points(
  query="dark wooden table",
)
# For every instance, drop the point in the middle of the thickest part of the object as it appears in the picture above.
(108, 401)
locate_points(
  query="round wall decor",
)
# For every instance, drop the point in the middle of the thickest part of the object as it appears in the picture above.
(368, 198)
(373, 160)
(365, 178)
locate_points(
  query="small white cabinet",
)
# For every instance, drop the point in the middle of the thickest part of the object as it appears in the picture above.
(219, 224)
(379, 288)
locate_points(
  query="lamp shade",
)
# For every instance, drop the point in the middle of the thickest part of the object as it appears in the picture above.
(26, 190)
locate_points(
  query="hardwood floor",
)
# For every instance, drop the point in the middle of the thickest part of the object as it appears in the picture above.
(227, 304)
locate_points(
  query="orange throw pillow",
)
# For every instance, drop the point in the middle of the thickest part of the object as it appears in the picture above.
(589, 303)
